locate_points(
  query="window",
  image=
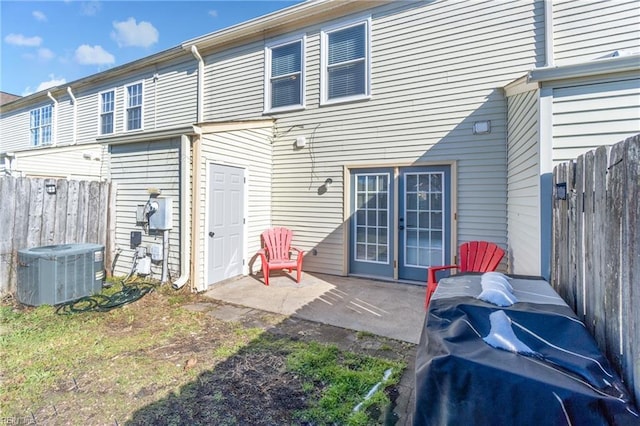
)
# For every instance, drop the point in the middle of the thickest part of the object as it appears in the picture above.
(41, 128)
(107, 107)
(133, 117)
(284, 88)
(345, 63)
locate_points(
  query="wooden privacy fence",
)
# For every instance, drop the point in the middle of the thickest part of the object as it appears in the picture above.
(31, 215)
(596, 249)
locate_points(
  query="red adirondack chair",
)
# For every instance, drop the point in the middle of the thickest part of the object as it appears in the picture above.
(475, 256)
(276, 253)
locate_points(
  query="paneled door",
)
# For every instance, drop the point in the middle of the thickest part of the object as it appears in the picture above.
(225, 224)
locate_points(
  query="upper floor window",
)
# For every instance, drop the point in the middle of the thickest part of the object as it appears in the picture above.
(346, 57)
(41, 127)
(107, 109)
(133, 117)
(284, 88)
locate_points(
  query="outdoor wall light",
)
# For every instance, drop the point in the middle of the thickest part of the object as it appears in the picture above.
(481, 127)
(50, 188)
(561, 191)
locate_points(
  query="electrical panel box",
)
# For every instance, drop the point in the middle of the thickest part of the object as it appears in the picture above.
(160, 214)
(135, 239)
(143, 267)
(156, 252)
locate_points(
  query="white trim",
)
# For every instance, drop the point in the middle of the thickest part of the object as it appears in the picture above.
(586, 69)
(126, 106)
(100, 111)
(302, 38)
(324, 51)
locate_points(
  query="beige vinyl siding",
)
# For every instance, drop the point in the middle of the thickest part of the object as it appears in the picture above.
(175, 99)
(589, 115)
(64, 162)
(586, 30)
(249, 149)
(14, 131)
(429, 84)
(523, 184)
(64, 132)
(234, 83)
(135, 168)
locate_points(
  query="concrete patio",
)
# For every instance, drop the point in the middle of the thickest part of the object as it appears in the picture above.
(383, 308)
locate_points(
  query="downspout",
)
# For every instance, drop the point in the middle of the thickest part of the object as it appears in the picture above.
(196, 208)
(185, 202)
(548, 34)
(75, 115)
(54, 134)
(200, 94)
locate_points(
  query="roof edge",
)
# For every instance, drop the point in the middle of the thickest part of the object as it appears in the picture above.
(585, 69)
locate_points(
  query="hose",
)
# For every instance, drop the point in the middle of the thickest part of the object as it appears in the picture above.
(102, 303)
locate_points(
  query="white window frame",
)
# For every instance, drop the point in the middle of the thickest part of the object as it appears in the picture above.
(39, 140)
(126, 106)
(100, 113)
(324, 61)
(267, 73)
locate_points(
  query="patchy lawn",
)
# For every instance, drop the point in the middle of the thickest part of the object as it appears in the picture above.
(167, 359)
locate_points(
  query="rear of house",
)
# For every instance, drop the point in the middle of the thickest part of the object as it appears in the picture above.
(383, 133)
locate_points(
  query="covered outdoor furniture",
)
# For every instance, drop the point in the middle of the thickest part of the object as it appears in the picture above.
(276, 254)
(475, 256)
(530, 363)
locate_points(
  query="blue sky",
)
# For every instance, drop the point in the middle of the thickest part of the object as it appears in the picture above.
(49, 43)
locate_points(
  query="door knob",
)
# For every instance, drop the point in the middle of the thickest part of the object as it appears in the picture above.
(401, 227)
(211, 233)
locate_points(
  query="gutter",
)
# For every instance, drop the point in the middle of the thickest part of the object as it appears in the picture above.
(586, 69)
(54, 134)
(185, 202)
(75, 115)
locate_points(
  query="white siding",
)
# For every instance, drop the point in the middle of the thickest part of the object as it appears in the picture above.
(249, 149)
(14, 131)
(587, 29)
(135, 168)
(86, 162)
(175, 95)
(586, 116)
(523, 187)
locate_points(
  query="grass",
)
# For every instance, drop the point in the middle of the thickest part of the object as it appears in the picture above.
(103, 367)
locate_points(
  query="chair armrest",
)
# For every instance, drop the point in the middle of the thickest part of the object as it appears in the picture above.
(300, 252)
(431, 275)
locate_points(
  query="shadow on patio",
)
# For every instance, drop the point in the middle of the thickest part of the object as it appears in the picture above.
(382, 308)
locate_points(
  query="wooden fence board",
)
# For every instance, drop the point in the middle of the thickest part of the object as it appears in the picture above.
(598, 235)
(30, 217)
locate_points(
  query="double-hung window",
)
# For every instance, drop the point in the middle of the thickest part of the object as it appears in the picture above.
(133, 110)
(346, 59)
(107, 110)
(40, 125)
(284, 75)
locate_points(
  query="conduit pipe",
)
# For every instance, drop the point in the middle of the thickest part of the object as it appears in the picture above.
(200, 95)
(54, 133)
(185, 202)
(75, 115)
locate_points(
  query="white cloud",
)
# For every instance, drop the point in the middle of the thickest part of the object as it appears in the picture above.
(45, 54)
(91, 8)
(213, 13)
(39, 16)
(52, 82)
(93, 55)
(129, 33)
(20, 40)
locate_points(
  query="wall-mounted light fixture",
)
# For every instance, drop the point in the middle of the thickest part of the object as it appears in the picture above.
(50, 188)
(481, 127)
(561, 191)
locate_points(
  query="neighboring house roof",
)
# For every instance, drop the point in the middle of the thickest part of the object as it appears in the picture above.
(7, 97)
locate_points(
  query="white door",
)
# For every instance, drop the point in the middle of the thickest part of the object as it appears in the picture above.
(225, 227)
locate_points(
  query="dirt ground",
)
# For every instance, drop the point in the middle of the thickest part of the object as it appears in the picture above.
(250, 386)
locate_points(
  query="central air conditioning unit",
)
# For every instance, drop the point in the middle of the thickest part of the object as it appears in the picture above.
(51, 275)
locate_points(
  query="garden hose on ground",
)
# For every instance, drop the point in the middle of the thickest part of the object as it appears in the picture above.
(101, 303)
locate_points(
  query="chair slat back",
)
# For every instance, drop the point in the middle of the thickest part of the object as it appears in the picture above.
(278, 242)
(480, 256)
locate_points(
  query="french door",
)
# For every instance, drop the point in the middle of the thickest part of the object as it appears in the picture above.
(400, 221)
